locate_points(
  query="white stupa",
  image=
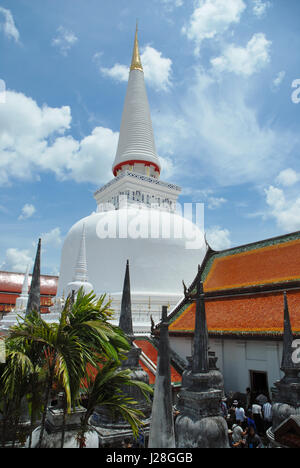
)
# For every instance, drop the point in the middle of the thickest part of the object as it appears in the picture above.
(136, 219)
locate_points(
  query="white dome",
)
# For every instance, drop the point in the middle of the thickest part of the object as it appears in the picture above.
(157, 265)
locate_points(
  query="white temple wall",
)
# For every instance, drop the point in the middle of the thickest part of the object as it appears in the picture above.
(236, 358)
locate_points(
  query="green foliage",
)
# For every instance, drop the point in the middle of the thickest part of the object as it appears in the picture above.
(41, 356)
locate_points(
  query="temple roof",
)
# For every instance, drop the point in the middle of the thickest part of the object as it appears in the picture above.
(11, 287)
(12, 283)
(270, 261)
(243, 288)
(256, 314)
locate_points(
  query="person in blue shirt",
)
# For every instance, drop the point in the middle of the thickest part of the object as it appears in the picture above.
(250, 421)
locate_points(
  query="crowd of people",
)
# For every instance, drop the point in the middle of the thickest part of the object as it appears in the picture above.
(248, 423)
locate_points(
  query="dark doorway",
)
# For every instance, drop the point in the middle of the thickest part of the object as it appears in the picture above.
(259, 383)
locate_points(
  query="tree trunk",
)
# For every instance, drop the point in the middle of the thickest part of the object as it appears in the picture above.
(46, 399)
(16, 425)
(32, 419)
(83, 429)
(4, 423)
(63, 429)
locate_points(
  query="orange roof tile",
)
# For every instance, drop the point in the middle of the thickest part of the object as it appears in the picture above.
(254, 314)
(273, 263)
(151, 352)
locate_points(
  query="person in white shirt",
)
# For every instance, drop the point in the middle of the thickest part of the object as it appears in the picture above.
(237, 435)
(267, 410)
(240, 414)
(256, 409)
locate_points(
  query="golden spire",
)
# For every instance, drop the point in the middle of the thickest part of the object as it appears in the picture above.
(136, 63)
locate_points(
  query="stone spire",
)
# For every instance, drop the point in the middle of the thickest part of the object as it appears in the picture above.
(200, 424)
(109, 427)
(287, 362)
(200, 363)
(126, 316)
(34, 300)
(286, 393)
(162, 434)
(80, 278)
(136, 149)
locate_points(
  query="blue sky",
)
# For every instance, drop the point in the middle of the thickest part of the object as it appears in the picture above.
(219, 76)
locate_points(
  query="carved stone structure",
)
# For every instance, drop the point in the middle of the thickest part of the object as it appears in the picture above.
(112, 432)
(200, 424)
(54, 424)
(162, 433)
(34, 300)
(286, 397)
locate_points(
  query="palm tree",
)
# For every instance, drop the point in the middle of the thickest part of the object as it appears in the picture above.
(106, 390)
(22, 379)
(83, 336)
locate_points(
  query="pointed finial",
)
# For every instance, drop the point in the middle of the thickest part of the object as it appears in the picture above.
(136, 63)
(34, 300)
(200, 363)
(25, 283)
(81, 265)
(126, 315)
(164, 315)
(162, 433)
(287, 362)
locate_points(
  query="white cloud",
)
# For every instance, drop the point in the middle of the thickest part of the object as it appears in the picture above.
(215, 202)
(167, 167)
(170, 4)
(28, 210)
(33, 139)
(64, 40)
(17, 260)
(7, 24)
(278, 80)
(118, 72)
(213, 126)
(157, 69)
(286, 211)
(287, 177)
(211, 18)
(52, 237)
(260, 7)
(244, 60)
(218, 238)
(275, 197)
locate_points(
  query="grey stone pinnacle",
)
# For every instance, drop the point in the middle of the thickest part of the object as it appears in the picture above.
(287, 352)
(162, 434)
(200, 363)
(126, 315)
(34, 300)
